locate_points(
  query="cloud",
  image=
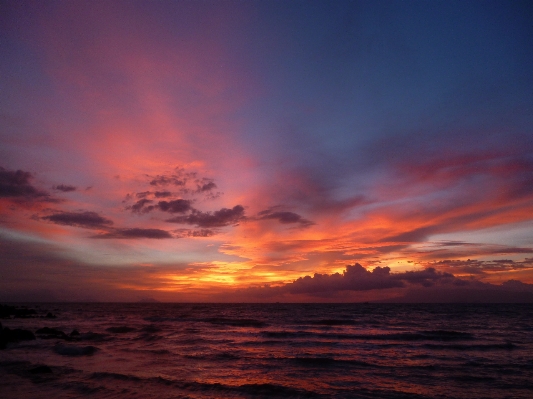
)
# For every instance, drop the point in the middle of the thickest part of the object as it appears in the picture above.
(182, 233)
(162, 194)
(223, 217)
(284, 217)
(179, 178)
(205, 185)
(175, 206)
(354, 278)
(357, 278)
(92, 220)
(188, 183)
(427, 277)
(481, 267)
(357, 284)
(89, 220)
(139, 206)
(162, 180)
(135, 233)
(16, 184)
(417, 235)
(65, 188)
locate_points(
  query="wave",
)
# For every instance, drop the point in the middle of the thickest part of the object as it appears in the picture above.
(267, 390)
(120, 330)
(215, 356)
(474, 347)
(149, 337)
(332, 322)
(150, 329)
(235, 322)
(438, 335)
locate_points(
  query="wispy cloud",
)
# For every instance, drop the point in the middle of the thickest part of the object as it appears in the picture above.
(220, 218)
(85, 219)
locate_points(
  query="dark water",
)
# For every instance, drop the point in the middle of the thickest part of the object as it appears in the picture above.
(273, 351)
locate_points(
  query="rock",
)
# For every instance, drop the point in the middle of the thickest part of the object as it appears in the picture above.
(15, 335)
(48, 333)
(7, 311)
(41, 370)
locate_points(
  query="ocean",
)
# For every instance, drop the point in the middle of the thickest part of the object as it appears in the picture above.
(156, 350)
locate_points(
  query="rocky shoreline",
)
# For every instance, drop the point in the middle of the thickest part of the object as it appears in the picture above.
(14, 336)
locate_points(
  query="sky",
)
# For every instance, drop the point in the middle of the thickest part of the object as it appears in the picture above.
(265, 151)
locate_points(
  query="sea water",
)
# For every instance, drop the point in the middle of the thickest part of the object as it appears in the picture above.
(155, 350)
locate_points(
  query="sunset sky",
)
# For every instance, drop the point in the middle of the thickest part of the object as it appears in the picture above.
(225, 150)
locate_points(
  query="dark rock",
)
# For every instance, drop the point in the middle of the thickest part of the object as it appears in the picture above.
(48, 333)
(120, 330)
(6, 311)
(15, 335)
(22, 335)
(41, 370)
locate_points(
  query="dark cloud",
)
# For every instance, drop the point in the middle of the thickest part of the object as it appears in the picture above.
(162, 194)
(139, 206)
(188, 183)
(201, 233)
(205, 185)
(89, 220)
(16, 184)
(284, 217)
(426, 277)
(416, 235)
(357, 278)
(183, 233)
(166, 180)
(175, 206)
(136, 233)
(143, 194)
(223, 217)
(65, 188)
(479, 267)
(354, 278)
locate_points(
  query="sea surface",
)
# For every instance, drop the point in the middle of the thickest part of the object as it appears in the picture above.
(272, 351)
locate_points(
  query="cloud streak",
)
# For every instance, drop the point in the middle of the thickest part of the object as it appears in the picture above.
(220, 218)
(132, 233)
(65, 188)
(284, 217)
(86, 219)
